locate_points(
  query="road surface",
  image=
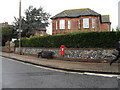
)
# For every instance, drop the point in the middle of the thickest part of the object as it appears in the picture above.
(20, 75)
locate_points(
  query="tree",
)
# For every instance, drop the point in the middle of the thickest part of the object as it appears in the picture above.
(117, 28)
(112, 29)
(7, 34)
(24, 27)
(34, 20)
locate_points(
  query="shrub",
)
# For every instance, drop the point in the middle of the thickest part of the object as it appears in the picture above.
(74, 40)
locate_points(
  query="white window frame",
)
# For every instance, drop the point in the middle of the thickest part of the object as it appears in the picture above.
(69, 24)
(93, 23)
(79, 24)
(62, 24)
(86, 23)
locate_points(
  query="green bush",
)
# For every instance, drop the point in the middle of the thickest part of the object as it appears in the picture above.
(74, 40)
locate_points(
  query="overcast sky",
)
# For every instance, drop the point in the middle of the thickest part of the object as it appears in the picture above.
(9, 8)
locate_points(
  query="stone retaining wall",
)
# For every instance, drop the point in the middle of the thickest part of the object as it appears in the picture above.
(73, 53)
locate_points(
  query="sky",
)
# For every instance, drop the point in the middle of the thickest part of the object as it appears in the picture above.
(10, 8)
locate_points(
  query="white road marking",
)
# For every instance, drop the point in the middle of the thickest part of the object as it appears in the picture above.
(118, 77)
(84, 73)
(104, 75)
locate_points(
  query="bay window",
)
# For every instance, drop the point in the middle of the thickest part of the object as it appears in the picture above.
(62, 24)
(86, 23)
(69, 24)
(78, 24)
(93, 23)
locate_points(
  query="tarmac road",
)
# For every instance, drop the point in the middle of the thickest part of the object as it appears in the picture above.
(19, 75)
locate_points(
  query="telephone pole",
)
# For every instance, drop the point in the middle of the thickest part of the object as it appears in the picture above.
(20, 27)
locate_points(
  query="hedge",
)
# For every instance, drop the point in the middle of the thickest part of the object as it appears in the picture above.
(74, 40)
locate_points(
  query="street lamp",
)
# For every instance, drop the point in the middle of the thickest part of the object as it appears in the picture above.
(20, 27)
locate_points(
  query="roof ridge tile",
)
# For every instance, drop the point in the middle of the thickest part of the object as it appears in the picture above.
(78, 9)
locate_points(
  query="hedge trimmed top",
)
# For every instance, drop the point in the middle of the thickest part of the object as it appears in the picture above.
(74, 40)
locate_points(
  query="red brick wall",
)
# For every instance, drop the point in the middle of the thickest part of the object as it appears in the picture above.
(74, 25)
(105, 27)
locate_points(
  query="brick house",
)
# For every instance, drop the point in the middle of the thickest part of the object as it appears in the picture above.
(41, 32)
(5, 24)
(79, 20)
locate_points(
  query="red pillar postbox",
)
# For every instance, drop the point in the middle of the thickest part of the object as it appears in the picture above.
(62, 50)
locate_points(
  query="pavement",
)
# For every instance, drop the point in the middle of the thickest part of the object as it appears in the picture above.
(73, 66)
